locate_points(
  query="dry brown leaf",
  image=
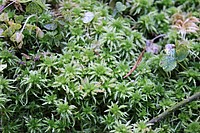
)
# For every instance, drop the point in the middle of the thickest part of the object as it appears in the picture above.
(185, 24)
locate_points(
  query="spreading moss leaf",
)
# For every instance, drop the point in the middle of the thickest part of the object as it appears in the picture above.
(4, 17)
(34, 8)
(168, 63)
(17, 37)
(181, 52)
(40, 3)
(14, 26)
(39, 33)
(50, 26)
(120, 7)
(88, 17)
(8, 32)
(2, 67)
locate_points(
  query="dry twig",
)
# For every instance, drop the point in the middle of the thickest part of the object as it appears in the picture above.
(172, 109)
(149, 43)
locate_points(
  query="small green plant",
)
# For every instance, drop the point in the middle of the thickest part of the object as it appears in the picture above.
(193, 128)
(179, 51)
(62, 66)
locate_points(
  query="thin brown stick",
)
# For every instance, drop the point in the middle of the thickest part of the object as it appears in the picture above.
(161, 35)
(172, 109)
(148, 43)
(136, 64)
(3, 8)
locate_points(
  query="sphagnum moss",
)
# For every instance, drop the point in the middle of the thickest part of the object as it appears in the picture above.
(67, 74)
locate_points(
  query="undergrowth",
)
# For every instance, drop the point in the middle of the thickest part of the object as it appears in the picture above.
(62, 65)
